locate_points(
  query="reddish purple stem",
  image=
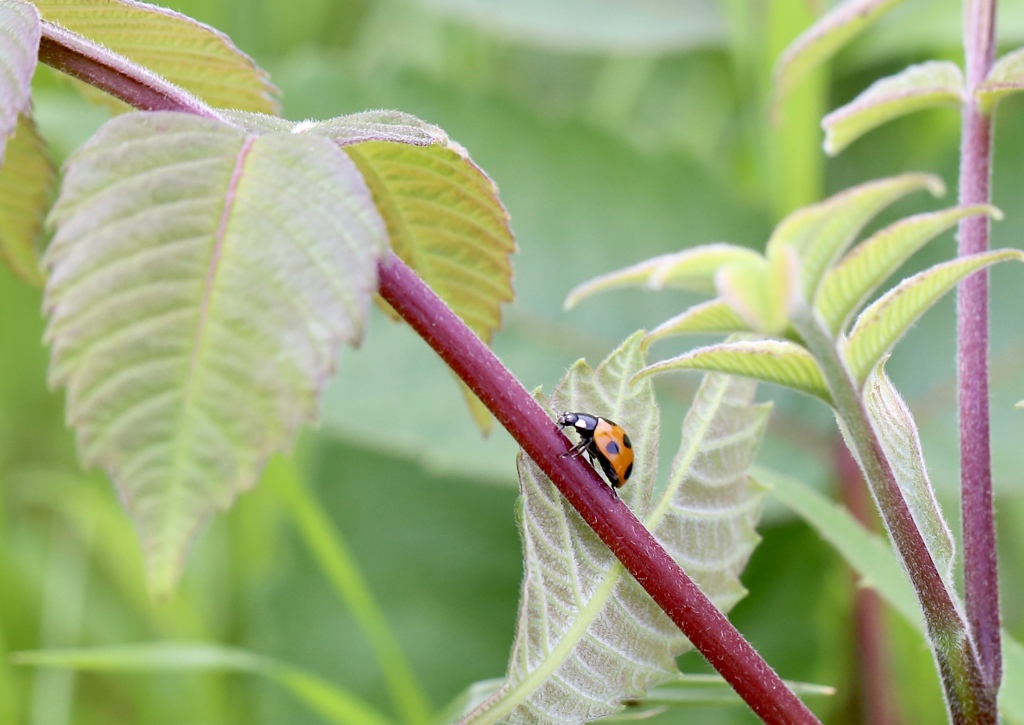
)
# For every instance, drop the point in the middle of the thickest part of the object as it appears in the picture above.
(706, 627)
(981, 582)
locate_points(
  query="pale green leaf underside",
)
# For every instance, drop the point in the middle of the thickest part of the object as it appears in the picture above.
(873, 560)
(821, 232)
(322, 697)
(760, 291)
(885, 321)
(190, 54)
(19, 48)
(848, 285)
(897, 432)
(202, 280)
(26, 184)
(934, 84)
(443, 216)
(771, 361)
(691, 269)
(713, 316)
(1006, 76)
(823, 40)
(588, 635)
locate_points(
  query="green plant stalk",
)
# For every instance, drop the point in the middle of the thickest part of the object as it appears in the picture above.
(332, 555)
(967, 698)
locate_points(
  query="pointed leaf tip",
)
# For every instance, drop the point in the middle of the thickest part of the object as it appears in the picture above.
(884, 322)
(691, 269)
(935, 84)
(201, 282)
(822, 40)
(849, 284)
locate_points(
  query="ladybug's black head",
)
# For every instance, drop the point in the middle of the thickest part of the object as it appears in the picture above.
(567, 419)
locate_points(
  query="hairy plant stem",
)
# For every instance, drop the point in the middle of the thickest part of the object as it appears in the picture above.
(702, 623)
(963, 683)
(706, 627)
(981, 577)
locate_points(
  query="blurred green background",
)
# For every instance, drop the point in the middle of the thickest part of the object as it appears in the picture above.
(616, 131)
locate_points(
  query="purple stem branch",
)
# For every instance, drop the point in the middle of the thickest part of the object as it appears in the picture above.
(706, 627)
(981, 583)
(702, 623)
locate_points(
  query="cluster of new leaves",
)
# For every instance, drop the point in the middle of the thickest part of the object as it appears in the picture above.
(207, 266)
(808, 272)
(588, 636)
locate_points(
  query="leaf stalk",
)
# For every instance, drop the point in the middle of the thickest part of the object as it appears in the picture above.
(952, 646)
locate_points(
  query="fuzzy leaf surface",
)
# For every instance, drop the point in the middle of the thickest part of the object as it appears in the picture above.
(897, 432)
(202, 280)
(884, 322)
(935, 84)
(190, 54)
(849, 284)
(691, 269)
(821, 232)
(19, 48)
(824, 39)
(713, 316)
(443, 216)
(588, 635)
(1006, 76)
(26, 184)
(771, 361)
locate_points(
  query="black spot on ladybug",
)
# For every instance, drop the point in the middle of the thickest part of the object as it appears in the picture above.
(626, 441)
(613, 448)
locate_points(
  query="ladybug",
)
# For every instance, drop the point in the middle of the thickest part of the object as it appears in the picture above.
(604, 442)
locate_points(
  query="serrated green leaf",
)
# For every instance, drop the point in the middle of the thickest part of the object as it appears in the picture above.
(761, 291)
(26, 186)
(19, 49)
(706, 517)
(821, 232)
(897, 433)
(935, 84)
(823, 39)
(202, 279)
(771, 361)
(691, 269)
(334, 704)
(588, 635)
(190, 54)
(883, 323)
(444, 219)
(713, 316)
(873, 560)
(1006, 76)
(850, 283)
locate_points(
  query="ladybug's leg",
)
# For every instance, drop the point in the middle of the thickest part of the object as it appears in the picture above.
(577, 450)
